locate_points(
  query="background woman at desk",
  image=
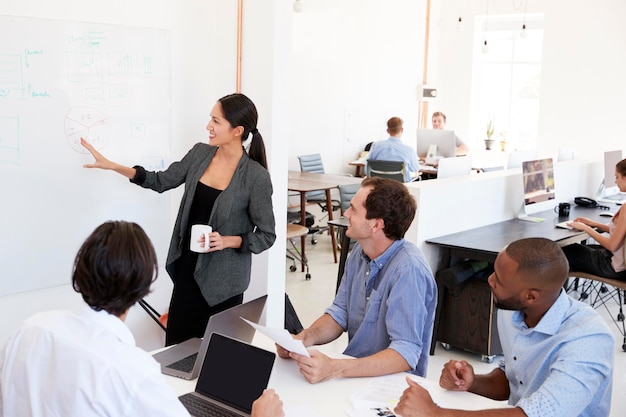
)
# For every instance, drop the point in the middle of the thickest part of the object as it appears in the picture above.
(439, 122)
(607, 258)
(226, 188)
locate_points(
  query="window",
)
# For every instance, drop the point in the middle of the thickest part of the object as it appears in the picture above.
(506, 79)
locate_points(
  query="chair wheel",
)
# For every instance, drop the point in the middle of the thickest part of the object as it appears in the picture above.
(308, 276)
(488, 358)
(584, 296)
(292, 268)
(620, 317)
(446, 346)
(603, 289)
(313, 241)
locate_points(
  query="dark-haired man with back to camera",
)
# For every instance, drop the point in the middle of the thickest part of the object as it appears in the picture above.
(393, 149)
(85, 362)
(558, 352)
(387, 297)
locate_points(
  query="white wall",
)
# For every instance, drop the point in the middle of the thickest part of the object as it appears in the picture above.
(582, 83)
(355, 64)
(203, 69)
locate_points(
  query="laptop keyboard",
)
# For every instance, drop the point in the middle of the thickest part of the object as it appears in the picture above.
(202, 408)
(185, 364)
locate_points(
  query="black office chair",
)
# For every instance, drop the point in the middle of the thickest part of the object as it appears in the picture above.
(396, 170)
(313, 163)
(346, 192)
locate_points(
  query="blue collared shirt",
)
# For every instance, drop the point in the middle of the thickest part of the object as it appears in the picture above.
(393, 149)
(388, 302)
(561, 367)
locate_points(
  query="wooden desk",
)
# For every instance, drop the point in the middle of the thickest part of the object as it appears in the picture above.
(484, 244)
(332, 398)
(358, 171)
(303, 182)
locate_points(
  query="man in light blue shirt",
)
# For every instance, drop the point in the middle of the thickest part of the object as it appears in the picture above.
(558, 352)
(393, 149)
(387, 297)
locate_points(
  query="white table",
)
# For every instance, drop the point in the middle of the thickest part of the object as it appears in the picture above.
(332, 398)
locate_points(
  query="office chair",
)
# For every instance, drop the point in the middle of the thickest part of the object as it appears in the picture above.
(346, 192)
(598, 290)
(395, 170)
(313, 163)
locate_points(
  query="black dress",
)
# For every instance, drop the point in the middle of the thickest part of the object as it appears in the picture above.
(189, 312)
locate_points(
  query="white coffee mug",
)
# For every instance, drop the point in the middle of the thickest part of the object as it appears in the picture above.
(197, 230)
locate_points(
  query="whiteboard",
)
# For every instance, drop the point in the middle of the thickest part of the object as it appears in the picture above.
(60, 80)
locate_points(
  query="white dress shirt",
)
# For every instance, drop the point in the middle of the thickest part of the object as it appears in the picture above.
(84, 363)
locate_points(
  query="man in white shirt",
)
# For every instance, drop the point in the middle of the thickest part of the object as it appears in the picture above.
(85, 363)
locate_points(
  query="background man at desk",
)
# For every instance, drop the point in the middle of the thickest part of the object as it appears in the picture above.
(393, 149)
(439, 122)
(387, 297)
(558, 352)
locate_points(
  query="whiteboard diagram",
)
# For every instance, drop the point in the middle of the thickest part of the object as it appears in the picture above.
(87, 123)
(60, 81)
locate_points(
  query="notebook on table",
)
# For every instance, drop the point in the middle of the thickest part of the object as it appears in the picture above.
(184, 360)
(233, 375)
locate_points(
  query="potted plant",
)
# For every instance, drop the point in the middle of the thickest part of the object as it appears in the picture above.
(490, 129)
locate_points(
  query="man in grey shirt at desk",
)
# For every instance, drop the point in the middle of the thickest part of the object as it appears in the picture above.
(387, 297)
(558, 352)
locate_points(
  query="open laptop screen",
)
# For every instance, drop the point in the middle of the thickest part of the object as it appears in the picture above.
(234, 373)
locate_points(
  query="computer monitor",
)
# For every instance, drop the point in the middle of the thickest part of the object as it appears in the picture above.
(608, 191)
(538, 181)
(444, 140)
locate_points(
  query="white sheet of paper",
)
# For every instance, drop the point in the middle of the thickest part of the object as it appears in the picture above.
(282, 337)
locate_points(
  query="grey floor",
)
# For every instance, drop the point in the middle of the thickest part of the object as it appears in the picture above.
(311, 297)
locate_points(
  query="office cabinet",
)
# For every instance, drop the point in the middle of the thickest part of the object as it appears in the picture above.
(468, 320)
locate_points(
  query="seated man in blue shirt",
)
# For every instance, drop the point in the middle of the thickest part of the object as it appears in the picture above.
(558, 352)
(393, 149)
(387, 297)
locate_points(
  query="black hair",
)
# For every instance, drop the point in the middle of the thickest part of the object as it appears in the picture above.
(115, 267)
(239, 110)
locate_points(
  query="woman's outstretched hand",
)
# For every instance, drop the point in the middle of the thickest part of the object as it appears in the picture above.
(100, 161)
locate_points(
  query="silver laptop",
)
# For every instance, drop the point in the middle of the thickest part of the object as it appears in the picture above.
(184, 360)
(233, 375)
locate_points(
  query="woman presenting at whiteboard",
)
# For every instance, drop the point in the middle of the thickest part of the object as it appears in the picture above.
(226, 188)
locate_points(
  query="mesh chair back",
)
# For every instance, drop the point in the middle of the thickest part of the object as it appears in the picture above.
(346, 192)
(313, 163)
(396, 170)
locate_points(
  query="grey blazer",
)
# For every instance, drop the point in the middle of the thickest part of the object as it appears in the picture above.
(243, 209)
